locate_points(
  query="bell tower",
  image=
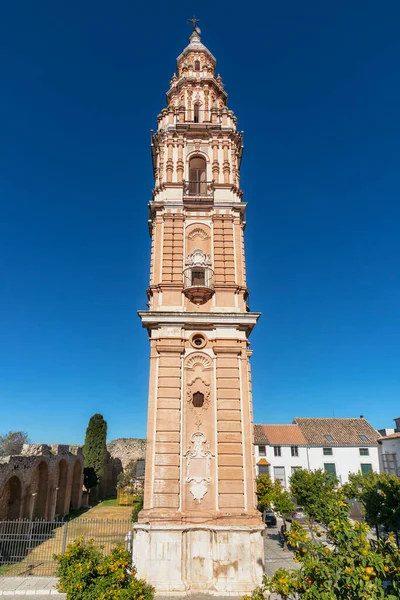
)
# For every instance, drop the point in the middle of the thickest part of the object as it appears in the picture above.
(199, 529)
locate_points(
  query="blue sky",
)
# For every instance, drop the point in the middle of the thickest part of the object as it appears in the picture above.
(315, 87)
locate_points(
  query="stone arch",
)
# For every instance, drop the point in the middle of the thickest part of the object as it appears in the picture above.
(198, 237)
(198, 232)
(62, 480)
(11, 499)
(76, 488)
(197, 153)
(198, 359)
(40, 511)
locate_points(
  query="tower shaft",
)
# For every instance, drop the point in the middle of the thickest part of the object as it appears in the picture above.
(200, 464)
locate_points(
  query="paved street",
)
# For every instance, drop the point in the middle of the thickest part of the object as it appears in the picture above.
(34, 586)
(274, 555)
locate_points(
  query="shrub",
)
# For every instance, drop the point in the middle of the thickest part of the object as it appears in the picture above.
(350, 566)
(86, 574)
(138, 505)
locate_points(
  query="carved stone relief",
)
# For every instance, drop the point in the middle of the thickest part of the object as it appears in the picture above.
(198, 385)
(198, 466)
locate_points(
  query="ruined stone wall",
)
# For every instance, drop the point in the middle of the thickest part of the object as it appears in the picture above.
(127, 449)
(43, 482)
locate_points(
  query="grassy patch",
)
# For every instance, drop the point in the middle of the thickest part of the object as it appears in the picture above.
(109, 502)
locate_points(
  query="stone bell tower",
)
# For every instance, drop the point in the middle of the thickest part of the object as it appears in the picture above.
(199, 529)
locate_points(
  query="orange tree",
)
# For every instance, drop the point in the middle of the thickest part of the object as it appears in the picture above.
(349, 566)
(379, 494)
(265, 491)
(318, 493)
(86, 574)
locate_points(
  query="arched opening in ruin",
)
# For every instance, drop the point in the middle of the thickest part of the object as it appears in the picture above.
(42, 491)
(27, 503)
(62, 489)
(10, 504)
(76, 485)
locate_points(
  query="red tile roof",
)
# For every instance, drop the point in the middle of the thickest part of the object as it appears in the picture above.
(259, 435)
(344, 432)
(284, 434)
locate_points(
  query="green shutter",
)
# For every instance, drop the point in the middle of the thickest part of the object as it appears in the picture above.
(330, 468)
(366, 469)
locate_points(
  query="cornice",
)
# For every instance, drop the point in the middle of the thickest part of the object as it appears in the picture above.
(184, 81)
(155, 319)
(173, 349)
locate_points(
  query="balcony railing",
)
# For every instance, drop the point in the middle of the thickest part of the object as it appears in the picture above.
(198, 189)
(198, 283)
(199, 116)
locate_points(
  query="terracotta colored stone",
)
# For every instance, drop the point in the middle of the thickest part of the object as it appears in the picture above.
(199, 484)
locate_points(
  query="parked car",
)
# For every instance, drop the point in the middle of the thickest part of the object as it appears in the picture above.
(297, 515)
(269, 517)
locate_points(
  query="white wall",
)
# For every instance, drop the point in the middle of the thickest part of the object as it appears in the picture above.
(285, 460)
(346, 460)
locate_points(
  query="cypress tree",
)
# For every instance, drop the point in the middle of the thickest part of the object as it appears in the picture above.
(95, 446)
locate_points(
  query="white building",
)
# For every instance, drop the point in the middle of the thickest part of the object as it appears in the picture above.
(339, 446)
(389, 449)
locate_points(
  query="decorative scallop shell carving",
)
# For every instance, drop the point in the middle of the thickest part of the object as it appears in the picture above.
(198, 232)
(198, 359)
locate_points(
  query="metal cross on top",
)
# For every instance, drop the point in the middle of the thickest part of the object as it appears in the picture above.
(194, 22)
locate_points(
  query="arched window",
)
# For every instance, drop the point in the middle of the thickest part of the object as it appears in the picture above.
(196, 113)
(198, 399)
(197, 65)
(197, 176)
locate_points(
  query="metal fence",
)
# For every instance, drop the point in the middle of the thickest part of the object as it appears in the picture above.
(27, 547)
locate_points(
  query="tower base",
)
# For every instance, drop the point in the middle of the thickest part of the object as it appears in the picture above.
(216, 560)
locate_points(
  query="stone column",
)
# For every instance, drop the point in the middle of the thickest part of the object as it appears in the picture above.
(206, 104)
(226, 167)
(53, 503)
(230, 430)
(32, 506)
(215, 162)
(180, 164)
(168, 427)
(161, 164)
(189, 105)
(219, 271)
(170, 162)
(157, 169)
